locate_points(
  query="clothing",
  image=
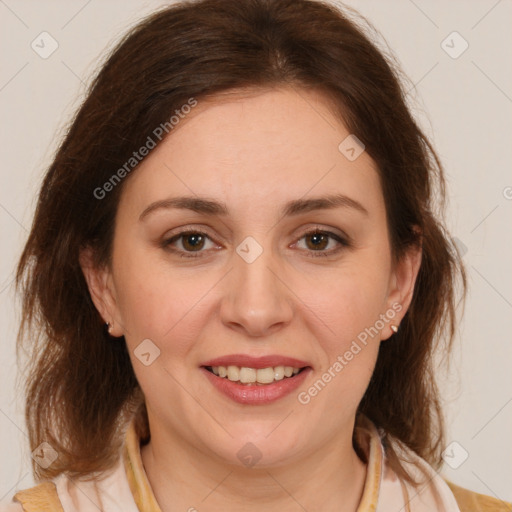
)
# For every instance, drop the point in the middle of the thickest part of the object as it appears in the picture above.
(127, 489)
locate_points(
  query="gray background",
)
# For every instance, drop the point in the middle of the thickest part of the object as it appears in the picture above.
(463, 103)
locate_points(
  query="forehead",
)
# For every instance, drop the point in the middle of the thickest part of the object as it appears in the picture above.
(267, 146)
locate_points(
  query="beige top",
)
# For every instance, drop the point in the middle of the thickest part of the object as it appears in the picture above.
(126, 488)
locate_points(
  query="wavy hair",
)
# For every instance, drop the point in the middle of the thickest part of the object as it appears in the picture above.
(81, 388)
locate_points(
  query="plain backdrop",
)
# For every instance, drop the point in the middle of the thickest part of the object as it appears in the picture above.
(461, 92)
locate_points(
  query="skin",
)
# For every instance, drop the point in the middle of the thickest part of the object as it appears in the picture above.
(253, 152)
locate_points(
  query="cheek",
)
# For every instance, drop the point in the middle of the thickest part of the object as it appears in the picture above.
(350, 321)
(169, 311)
(161, 303)
(347, 345)
(345, 316)
(347, 301)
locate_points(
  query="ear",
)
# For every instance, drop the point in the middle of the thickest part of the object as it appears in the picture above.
(100, 283)
(401, 287)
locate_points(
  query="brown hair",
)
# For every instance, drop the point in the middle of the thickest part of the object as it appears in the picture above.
(81, 386)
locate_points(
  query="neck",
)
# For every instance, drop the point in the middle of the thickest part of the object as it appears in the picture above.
(185, 478)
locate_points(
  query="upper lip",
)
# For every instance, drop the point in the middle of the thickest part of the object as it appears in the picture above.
(243, 360)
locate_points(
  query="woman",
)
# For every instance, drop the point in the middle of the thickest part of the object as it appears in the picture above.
(234, 283)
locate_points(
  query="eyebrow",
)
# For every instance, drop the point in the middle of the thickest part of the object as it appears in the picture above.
(295, 207)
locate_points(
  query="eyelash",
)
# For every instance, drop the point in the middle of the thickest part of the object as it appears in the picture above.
(344, 243)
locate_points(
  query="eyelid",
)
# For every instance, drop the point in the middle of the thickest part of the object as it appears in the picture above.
(343, 240)
(328, 230)
(172, 238)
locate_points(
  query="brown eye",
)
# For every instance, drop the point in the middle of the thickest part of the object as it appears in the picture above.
(193, 241)
(187, 243)
(317, 242)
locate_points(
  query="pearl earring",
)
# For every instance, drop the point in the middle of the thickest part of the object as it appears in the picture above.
(394, 328)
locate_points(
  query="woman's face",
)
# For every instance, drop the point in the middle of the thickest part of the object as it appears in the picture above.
(251, 285)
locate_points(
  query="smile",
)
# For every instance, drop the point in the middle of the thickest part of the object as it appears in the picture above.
(261, 376)
(254, 392)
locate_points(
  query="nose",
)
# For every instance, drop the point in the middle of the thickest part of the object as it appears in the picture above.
(257, 300)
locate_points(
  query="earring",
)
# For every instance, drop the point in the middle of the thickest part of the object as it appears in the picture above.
(109, 327)
(394, 328)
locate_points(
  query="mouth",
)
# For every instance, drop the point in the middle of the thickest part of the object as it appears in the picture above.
(255, 376)
(251, 380)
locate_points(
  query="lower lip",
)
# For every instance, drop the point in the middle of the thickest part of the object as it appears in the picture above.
(253, 394)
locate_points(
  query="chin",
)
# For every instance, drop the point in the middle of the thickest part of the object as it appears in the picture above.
(263, 449)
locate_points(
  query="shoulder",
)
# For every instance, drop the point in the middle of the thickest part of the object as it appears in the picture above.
(42, 497)
(108, 491)
(11, 507)
(469, 501)
(440, 489)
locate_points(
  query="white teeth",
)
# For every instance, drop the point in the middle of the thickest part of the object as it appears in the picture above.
(247, 375)
(265, 375)
(279, 373)
(233, 373)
